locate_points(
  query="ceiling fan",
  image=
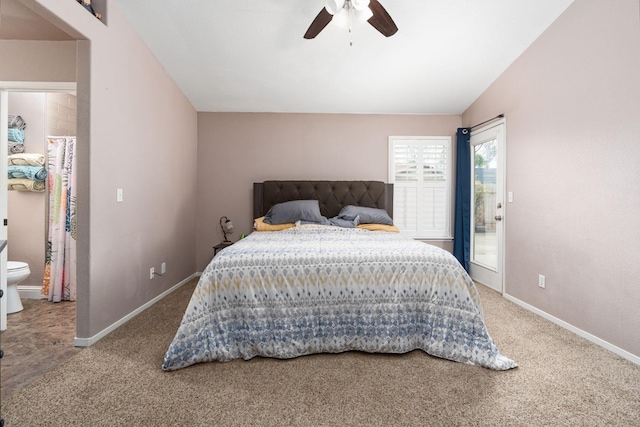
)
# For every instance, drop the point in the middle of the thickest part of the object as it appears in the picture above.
(342, 10)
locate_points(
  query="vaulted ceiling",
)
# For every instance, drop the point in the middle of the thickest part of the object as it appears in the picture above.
(250, 55)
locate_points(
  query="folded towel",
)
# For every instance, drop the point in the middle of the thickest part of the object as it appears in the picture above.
(36, 173)
(26, 159)
(16, 122)
(15, 147)
(15, 135)
(25, 185)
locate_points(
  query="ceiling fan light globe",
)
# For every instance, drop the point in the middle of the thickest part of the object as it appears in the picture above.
(360, 4)
(341, 19)
(364, 15)
(333, 6)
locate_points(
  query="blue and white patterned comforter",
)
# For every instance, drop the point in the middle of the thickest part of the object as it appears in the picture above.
(327, 290)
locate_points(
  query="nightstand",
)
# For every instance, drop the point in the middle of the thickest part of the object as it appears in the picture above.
(220, 246)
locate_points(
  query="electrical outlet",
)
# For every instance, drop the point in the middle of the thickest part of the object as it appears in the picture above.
(152, 272)
(119, 195)
(163, 268)
(541, 281)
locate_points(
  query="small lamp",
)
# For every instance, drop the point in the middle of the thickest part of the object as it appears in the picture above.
(227, 228)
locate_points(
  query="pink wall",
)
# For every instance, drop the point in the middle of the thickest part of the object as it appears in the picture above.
(136, 131)
(572, 103)
(32, 61)
(237, 149)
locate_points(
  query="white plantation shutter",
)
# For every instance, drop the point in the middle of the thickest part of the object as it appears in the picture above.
(405, 207)
(420, 169)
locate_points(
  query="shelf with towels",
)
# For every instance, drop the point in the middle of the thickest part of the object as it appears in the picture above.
(26, 172)
(15, 134)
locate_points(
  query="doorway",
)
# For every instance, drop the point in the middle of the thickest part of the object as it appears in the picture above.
(488, 165)
(5, 88)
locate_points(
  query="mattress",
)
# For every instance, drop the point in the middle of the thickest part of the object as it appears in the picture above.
(319, 289)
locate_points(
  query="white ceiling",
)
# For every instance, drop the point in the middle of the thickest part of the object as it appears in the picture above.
(250, 56)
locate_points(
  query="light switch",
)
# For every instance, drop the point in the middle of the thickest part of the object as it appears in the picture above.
(119, 195)
(510, 196)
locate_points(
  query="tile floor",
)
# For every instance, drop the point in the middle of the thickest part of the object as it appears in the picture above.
(37, 339)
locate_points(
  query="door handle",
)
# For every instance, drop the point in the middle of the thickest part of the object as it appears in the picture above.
(498, 217)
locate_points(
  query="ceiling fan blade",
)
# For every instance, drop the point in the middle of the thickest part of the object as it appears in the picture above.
(318, 24)
(381, 20)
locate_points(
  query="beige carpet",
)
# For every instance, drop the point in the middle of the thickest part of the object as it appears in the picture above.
(562, 380)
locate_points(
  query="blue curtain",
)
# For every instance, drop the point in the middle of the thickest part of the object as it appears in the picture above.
(462, 225)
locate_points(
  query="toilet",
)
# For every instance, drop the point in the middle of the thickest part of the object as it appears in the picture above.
(16, 272)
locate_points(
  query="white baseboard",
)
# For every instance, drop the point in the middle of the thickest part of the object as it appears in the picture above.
(602, 343)
(86, 342)
(30, 292)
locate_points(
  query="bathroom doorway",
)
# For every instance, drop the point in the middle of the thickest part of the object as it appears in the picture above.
(50, 110)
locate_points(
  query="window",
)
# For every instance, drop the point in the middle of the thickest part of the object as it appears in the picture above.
(420, 169)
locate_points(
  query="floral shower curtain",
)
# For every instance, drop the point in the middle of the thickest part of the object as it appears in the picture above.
(60, 263)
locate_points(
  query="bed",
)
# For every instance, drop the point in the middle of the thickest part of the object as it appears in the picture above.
(314, 288)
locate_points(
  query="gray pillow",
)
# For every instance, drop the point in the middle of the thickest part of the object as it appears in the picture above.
(295, 210)
(335, 221)
(345, 223)
(367, 215)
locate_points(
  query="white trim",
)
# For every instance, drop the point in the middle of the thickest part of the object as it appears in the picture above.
(86, 342)
(30, 292)
(39, 86)
(598, 341)
(505, 217)
(4, 126)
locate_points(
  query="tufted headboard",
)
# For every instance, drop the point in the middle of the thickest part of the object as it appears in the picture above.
(332, 195)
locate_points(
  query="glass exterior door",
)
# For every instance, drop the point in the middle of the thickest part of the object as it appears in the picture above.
(487, 207)
(485, 250)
